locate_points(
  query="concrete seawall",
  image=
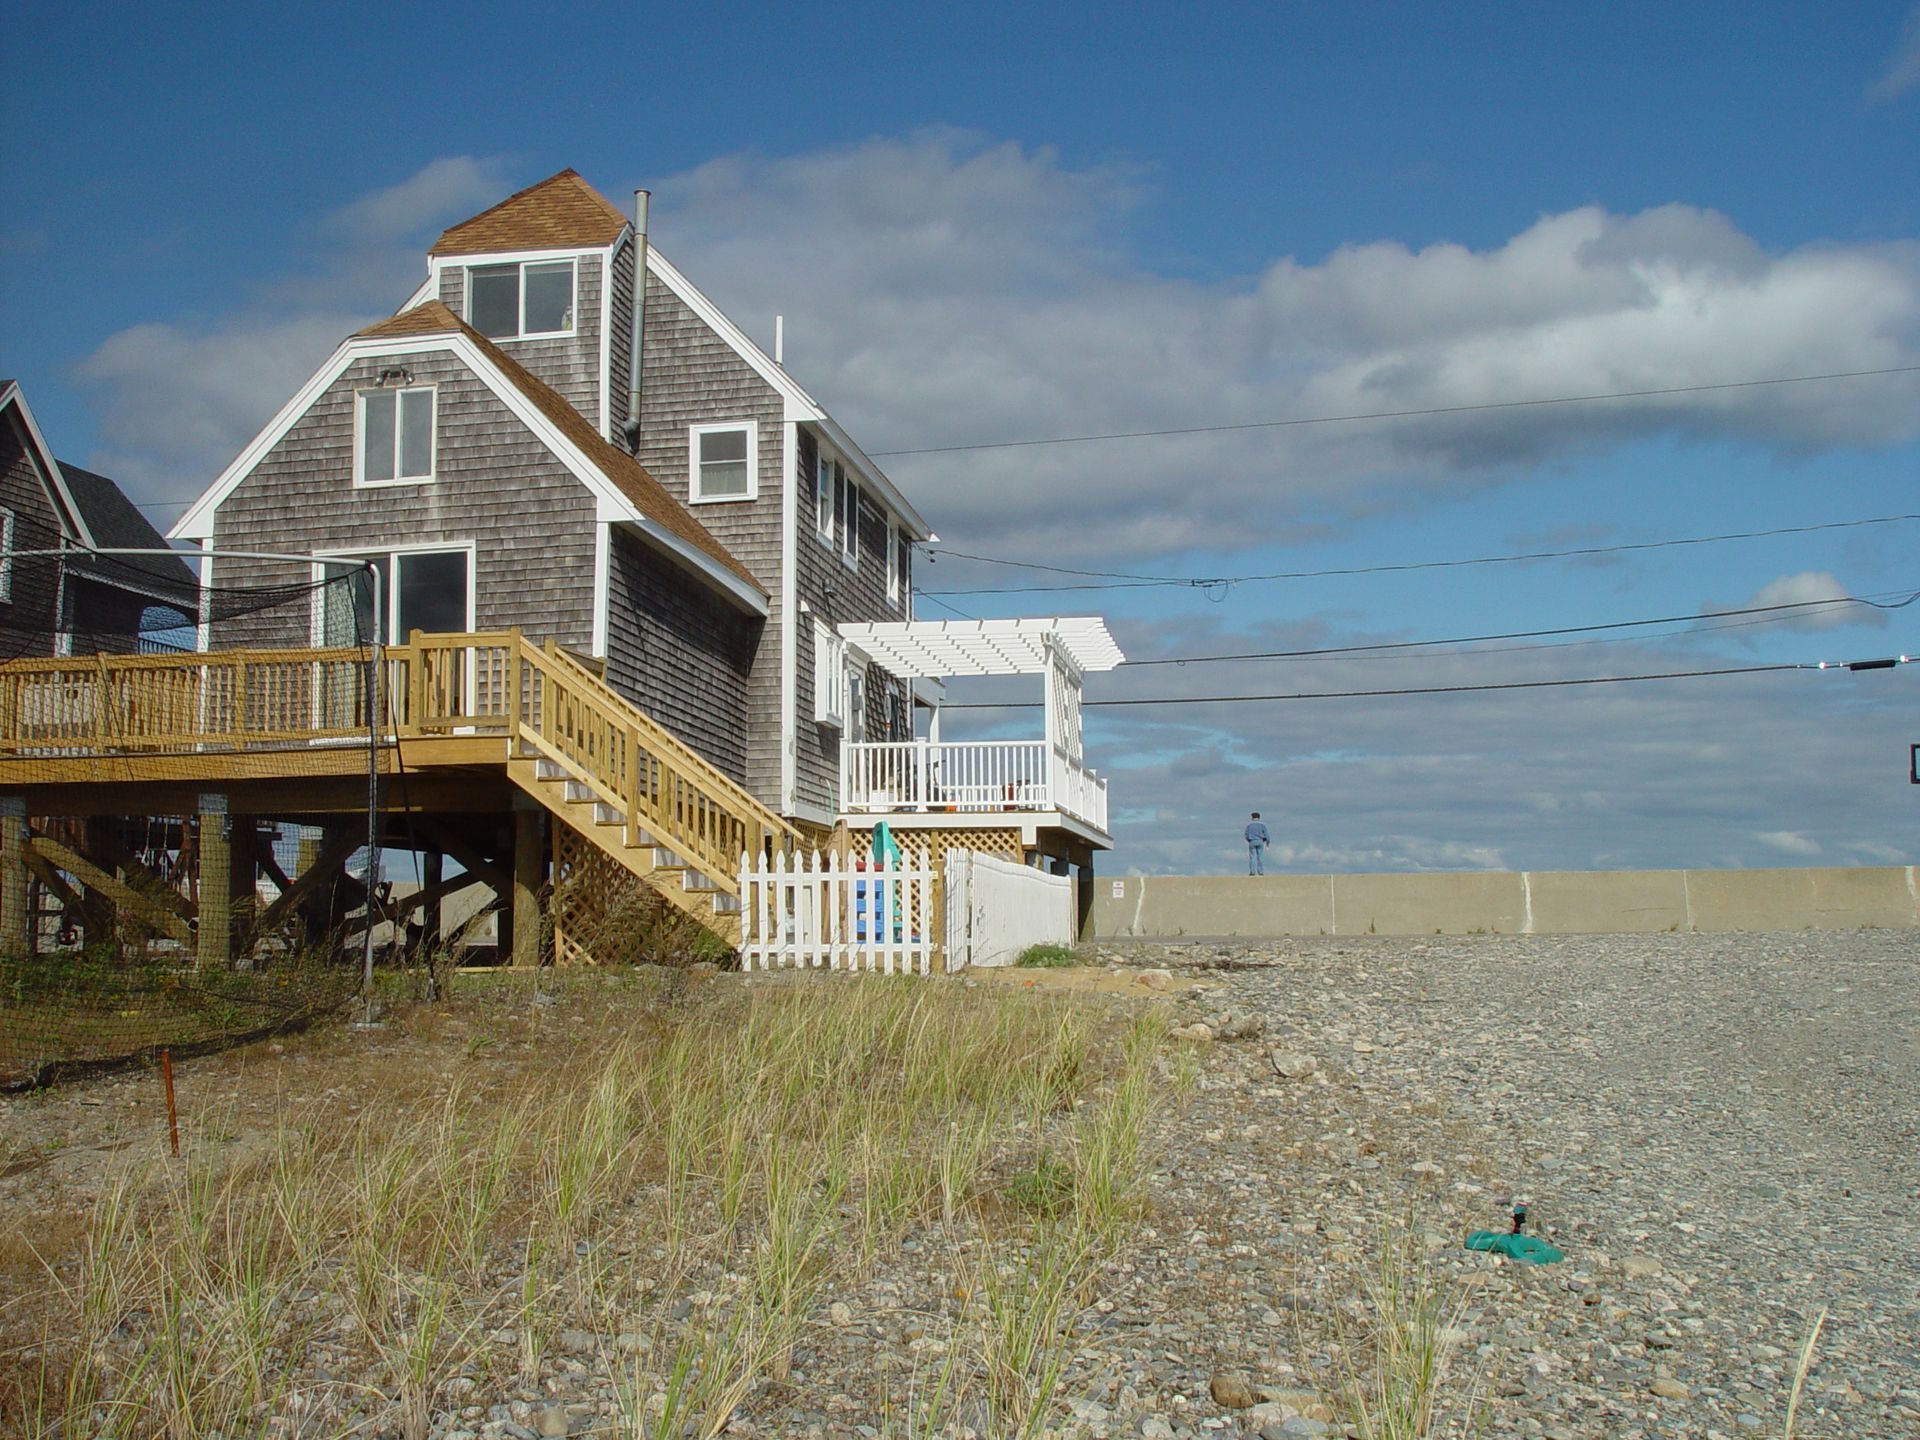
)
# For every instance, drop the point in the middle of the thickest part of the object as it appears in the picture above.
(1530, 902)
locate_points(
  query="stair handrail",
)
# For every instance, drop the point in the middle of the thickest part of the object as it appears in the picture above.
(551, 663)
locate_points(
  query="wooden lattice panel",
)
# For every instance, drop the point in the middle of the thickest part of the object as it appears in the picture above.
(590, 892)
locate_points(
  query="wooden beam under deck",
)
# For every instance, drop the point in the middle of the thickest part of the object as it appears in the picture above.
(439, 791)
(413, 753)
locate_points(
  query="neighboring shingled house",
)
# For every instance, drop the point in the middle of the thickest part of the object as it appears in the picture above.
(479, 446)
(76, 603)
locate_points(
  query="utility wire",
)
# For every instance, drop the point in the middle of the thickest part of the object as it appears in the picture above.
(1120, 580)
(1883, 664)
(1336, 419)
(1329, 650)
(1401, 414)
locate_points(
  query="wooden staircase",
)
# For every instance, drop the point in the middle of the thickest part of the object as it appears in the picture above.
(637, 794)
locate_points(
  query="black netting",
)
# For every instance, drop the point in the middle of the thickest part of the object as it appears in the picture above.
(190, 780)
(82, 603)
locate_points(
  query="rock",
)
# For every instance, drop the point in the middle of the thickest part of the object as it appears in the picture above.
(1292, 1065)
(840, 1313)
(1155, 979)
(551, 1421)
(1431, 1169)
(1641, 1267)
(1154, 1428)
(1232, 1391)
(1198, 1031)
(1671, 1390)
(576, 1342)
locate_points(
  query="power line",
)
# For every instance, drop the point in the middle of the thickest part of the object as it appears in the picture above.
(1120, 580)
(1882, 664)
(1384, 645)
(1354, 418)
(1400, 414)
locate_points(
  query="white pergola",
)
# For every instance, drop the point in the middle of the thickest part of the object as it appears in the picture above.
(1062, 648)
(938, 649)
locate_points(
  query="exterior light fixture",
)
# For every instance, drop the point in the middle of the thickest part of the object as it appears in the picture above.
(395, 376)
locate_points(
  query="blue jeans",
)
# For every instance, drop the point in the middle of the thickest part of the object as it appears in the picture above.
(1256, 858)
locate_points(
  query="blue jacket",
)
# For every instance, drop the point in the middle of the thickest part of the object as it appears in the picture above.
(1257, 834)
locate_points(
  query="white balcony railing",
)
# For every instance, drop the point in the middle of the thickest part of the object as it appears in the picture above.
(920, 777)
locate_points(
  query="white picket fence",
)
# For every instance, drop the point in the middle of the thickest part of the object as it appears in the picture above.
(827, 913)
(996, 909)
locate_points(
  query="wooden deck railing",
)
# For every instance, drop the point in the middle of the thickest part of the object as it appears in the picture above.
(488, 683)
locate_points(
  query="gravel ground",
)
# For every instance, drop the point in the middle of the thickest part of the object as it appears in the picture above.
(1720, 1131)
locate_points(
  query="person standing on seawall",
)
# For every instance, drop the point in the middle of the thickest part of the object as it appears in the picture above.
(1257, 842)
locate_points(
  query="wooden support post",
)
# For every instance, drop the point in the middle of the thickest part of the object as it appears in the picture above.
(1083, 901)
(529, 874)
(216, 882)
(243, 871)
(96, 907)
(432, 872)
(16, 938)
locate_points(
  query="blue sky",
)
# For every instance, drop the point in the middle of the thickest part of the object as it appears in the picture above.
(1019, 223)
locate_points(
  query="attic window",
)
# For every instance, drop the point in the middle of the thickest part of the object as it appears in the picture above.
(395, 436)
(723, 461)
(513, 302)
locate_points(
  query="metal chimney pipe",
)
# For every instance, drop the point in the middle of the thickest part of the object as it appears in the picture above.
(780, 340)
(638, 347)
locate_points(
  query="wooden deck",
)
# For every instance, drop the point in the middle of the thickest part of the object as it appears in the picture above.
(449, 723)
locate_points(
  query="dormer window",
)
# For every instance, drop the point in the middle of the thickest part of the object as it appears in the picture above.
(521, 300)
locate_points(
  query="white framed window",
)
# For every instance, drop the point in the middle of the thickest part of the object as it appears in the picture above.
(394, 436)
(824, 489)
(723, 461)
(829, 677)
(848, 506)
(6, 560)
(522, 299)
(893, 562)
(856, 726)
(836, 514)
(427, 588)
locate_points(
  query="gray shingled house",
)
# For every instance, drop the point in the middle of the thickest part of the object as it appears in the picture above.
(77, 603)
(619, 544)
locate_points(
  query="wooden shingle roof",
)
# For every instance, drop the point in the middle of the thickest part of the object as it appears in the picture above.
(560, 212)
(648, 495)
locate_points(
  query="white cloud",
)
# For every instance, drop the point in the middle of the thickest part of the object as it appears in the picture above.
(1789, 842)
(1820, 591)
(1902, 70)
(940, 290)
(179, 398)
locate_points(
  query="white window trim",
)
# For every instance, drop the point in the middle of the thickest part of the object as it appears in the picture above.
(523, 333)
(694, 432)
(850, 531)
(390, 592)
(360, 482)
(829, 677)
(6, 561)
(893, 562)
(823, 483)
(855, 677)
